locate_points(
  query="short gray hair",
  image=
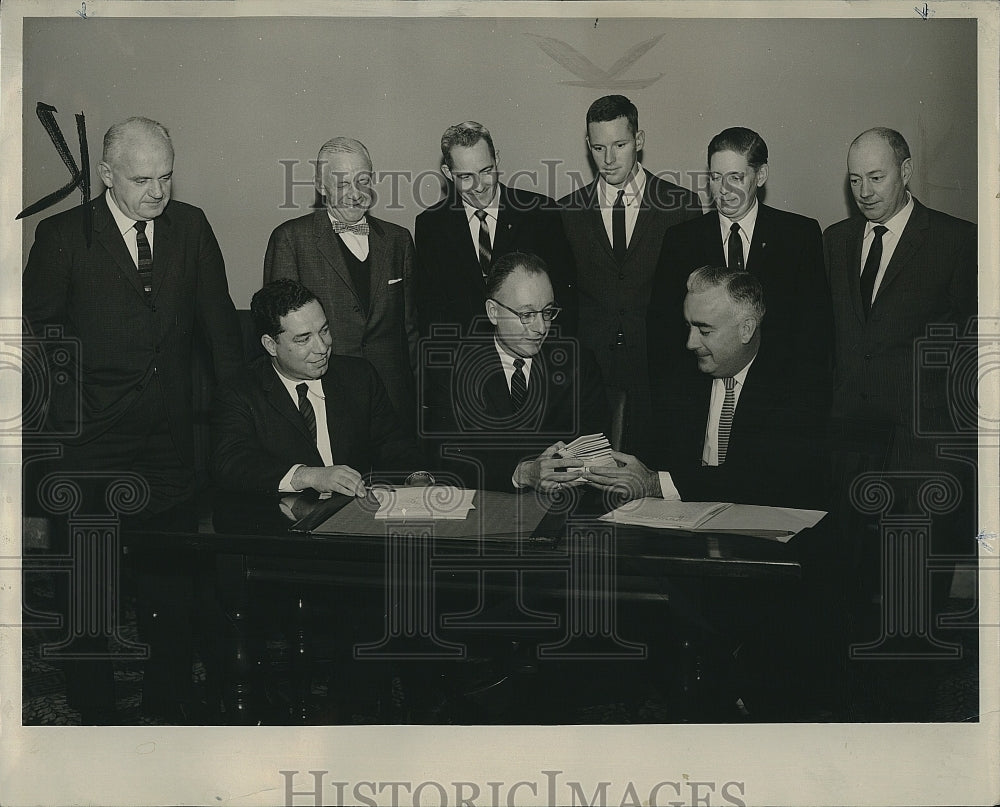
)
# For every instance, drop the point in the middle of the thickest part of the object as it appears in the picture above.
(340, 145)
(118, 132)
(743, 288)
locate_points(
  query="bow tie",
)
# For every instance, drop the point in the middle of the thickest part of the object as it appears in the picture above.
(361, 228)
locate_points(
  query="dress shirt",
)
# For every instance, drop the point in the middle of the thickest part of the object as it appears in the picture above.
(710, 453)
(607, 194)
(492, 213)
(747, 223)
(357, 244)
(507, 361)
(890, 238)
(317, 397)
(126, 227)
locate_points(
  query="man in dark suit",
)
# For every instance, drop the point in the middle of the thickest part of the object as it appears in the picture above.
(304, 418)
(742, 430)
(478, 220)
(615, 227)
(360, 268)
(509, 402)
(132, 276)
(894, 272)
(783, 250)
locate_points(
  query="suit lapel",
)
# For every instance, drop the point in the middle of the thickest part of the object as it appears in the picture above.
(910, 241)
(855, 238)
(165, 252)
(508, 225)
(645, 216)
(326, 244)
(378, 265)
(592, 204)
(278, 398)
(762, 234)
(336, 418)
(711, 236)
(112, 241)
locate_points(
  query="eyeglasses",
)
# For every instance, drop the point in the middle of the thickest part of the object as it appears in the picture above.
(548, 313)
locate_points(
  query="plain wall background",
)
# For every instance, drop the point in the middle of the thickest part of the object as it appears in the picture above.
(242, 95)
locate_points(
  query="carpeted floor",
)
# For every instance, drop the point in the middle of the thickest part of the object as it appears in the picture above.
(614, 694)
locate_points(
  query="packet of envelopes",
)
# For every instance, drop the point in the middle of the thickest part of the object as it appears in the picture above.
(592, 451)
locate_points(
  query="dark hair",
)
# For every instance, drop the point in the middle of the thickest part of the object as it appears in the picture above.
(743, 141)
(743, 288)
(273, 301)
(506, 265)
(900, 148)
(465, 134)
(613, 107)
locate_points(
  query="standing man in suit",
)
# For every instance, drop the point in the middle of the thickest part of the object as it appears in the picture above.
(479, 219)
(360, 267)
(511, 400)
(742, 429)
(894, 272)
(615, 227)
(133, 276)
(304, 418)
(783, 250)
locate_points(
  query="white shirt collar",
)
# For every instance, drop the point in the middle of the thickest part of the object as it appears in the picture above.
(508, 361)
(315, 385)
(633, 188)
(746, 223)
(492, 209)
(124, 222)
(896, 224)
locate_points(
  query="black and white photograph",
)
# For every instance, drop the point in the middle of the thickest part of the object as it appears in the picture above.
(502, 403)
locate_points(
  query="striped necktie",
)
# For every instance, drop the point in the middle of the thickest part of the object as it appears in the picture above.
(726, 418)
(306, 409)
(145, 255)
(485, 247)
(518, 386)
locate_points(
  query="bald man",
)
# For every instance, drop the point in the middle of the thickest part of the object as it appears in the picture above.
(360, 268)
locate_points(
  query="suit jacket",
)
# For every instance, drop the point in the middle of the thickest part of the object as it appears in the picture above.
(786, 255)
(306, 249)
(777, 444)
(930, 280)
(473, 427)
(612, 298)
(126, 341)
(258, 432)
(450, 280)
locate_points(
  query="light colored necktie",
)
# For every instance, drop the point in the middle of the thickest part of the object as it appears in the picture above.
(361, 228)
(485, 247)
(726, 417)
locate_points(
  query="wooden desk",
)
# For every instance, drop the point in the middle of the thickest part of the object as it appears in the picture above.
(590, 566)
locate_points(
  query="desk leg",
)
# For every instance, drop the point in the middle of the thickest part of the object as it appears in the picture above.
(241, 666)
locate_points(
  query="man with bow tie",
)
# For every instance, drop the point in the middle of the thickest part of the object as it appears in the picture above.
(360, 268)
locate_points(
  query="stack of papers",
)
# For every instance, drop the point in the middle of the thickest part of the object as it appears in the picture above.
(671, 514)
(592, 450)
(422, 503)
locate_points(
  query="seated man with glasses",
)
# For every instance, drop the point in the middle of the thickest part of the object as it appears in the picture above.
(500, 406)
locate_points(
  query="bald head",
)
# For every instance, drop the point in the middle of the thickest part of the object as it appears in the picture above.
(879, 168)
(137, 167)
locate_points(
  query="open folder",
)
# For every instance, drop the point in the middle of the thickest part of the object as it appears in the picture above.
(775, 523)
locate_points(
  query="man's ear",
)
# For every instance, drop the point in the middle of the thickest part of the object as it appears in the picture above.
(447, 172)
(640, 140)
(104, 170)
(906, 170)
(491, 311)
(747, 329)
(762, 175)
(269, 345)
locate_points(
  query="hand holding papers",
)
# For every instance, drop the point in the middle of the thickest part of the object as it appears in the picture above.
(421, 503)
(591, 450)
(561, 465)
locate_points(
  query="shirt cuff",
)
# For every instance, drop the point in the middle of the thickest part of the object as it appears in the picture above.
(667, 488)
(285, 485)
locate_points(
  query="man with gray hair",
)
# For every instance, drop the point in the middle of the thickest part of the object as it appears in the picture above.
(131, 278)
(360, 268)
(479, 220)
(738, 431)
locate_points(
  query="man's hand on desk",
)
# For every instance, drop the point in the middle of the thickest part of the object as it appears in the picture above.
(332, 479)
(549, 471)
(631, 478)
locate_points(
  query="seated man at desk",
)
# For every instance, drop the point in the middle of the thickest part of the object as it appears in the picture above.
(303, 418)
(499, 408)
(740, 430)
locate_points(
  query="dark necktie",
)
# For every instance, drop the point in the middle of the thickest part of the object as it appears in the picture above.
(870, 271)
(736, 263)
(485, 248)
(726, 417)
(619, 244)
(145, 255)
(518, 386)
(306, 409)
